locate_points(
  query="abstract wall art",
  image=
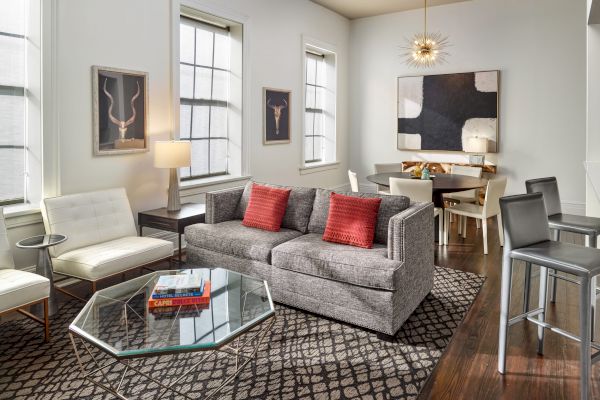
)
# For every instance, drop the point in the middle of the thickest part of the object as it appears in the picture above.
(442, 112)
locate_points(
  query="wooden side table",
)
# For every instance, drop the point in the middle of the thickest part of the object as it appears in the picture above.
(176, 221)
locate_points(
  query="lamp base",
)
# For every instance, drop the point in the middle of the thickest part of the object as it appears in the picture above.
(173, 204)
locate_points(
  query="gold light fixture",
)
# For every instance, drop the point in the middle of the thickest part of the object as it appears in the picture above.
(426, 49)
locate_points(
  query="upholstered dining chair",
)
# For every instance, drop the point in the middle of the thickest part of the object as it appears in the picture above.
(20, 289)
(387, 167)
(491, 208)
(420, 191)
(527, 235)
(353, 181)
(465, 196)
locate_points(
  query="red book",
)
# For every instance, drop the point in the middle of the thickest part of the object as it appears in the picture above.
(182, 301)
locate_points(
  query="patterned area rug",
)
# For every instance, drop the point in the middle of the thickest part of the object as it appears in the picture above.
(303, 357)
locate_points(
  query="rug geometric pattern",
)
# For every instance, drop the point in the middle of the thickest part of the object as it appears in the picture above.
(305, 356)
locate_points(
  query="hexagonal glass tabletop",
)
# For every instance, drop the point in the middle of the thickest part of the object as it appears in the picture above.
(117, 319)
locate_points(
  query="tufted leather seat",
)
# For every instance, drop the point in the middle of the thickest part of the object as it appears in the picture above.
(102, 238)
(18, 288)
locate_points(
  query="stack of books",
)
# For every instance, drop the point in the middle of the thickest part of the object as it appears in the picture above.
(177, 294)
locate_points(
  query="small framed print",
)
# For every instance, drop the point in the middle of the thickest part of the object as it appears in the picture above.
(276, 116)
(120, 111)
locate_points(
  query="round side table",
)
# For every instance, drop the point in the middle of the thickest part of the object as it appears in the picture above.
(44, 264)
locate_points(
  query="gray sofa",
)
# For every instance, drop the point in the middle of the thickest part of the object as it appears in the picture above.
(374, 288)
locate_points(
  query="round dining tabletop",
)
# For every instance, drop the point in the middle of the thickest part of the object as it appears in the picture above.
(442, 183)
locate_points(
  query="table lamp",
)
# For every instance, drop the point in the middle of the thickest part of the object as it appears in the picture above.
(173, 154)
(476, 145)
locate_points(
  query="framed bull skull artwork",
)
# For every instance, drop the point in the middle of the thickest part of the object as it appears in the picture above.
(120, 111)
(276, 116)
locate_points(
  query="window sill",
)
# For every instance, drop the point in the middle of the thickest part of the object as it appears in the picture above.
(318, 167)
(22, 215)
(215, 180)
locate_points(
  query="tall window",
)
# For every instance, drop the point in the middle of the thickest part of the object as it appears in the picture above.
(12, 101)
(315, 93)
(204, 96)
(319, 108)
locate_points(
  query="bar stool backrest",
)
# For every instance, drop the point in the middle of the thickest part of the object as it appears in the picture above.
(525, 220)
(549, 188)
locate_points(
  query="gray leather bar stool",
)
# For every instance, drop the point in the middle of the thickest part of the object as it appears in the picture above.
(527, 238)
(587, 226)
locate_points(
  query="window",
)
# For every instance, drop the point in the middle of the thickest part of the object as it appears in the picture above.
(12, 102)
(315, 93)
(319, 108)
(204, 59)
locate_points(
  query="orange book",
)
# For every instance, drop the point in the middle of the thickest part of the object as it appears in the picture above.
(182, 301)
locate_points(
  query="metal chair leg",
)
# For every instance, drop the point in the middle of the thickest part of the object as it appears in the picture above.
(585, 317)
(542, 305)
(592, 243)
(504, 310)
(46, 322)
(553, 286)
(526, 287)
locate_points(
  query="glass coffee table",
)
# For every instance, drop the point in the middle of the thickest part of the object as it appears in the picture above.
(116, 327)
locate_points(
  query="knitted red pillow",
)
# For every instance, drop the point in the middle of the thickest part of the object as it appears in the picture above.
(266, 207)
(351, 220)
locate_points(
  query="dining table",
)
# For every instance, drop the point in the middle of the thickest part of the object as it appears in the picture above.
(442, 183)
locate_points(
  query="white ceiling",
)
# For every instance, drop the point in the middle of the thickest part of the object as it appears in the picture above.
(366, 8)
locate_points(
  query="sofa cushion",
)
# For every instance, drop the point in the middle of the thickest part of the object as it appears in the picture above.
(351, 220)
(390, 206)
(310, 255)
(18, 288)
(233, 238)
(266, 207)
(105, 259)
(298, 210)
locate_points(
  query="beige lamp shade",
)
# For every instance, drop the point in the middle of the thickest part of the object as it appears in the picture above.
(476, 145)
(172, 154)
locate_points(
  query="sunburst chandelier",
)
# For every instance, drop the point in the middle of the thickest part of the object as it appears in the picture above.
(426, 49)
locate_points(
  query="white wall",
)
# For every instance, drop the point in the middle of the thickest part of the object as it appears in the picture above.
(136, 34)
(539, 46)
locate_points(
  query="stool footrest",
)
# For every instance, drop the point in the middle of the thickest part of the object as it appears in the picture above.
(564, 333)
(522, 317)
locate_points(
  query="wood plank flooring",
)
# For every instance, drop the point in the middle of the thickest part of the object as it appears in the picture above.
(468, 369)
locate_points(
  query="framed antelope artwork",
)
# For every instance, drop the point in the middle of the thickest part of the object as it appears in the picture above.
(276, 116)
(120, 111)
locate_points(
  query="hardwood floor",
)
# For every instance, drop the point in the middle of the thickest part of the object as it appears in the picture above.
(468, 369)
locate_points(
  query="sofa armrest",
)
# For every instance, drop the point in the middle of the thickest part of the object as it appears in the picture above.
(410, 235)
(221, 205)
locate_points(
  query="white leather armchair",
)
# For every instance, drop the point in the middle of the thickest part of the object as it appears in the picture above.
(102, 237)
(19, 289)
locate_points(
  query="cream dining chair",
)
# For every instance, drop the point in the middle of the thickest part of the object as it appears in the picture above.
(386, 167)
(420, 191)
(491, 208)
(465, 196)
(353, 181)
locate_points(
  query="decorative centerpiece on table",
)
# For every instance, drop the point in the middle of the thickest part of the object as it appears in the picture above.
(179, 294)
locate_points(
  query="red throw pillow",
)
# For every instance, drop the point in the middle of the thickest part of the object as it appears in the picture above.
(266, 207)
(351, 220)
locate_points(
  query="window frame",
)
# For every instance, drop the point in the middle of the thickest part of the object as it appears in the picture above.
(19, 91)
(192, 102)
(329, 135)
(313, 160)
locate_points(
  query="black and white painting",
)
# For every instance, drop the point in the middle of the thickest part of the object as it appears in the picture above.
(120, 111)
(276, 116)
(442, 112)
